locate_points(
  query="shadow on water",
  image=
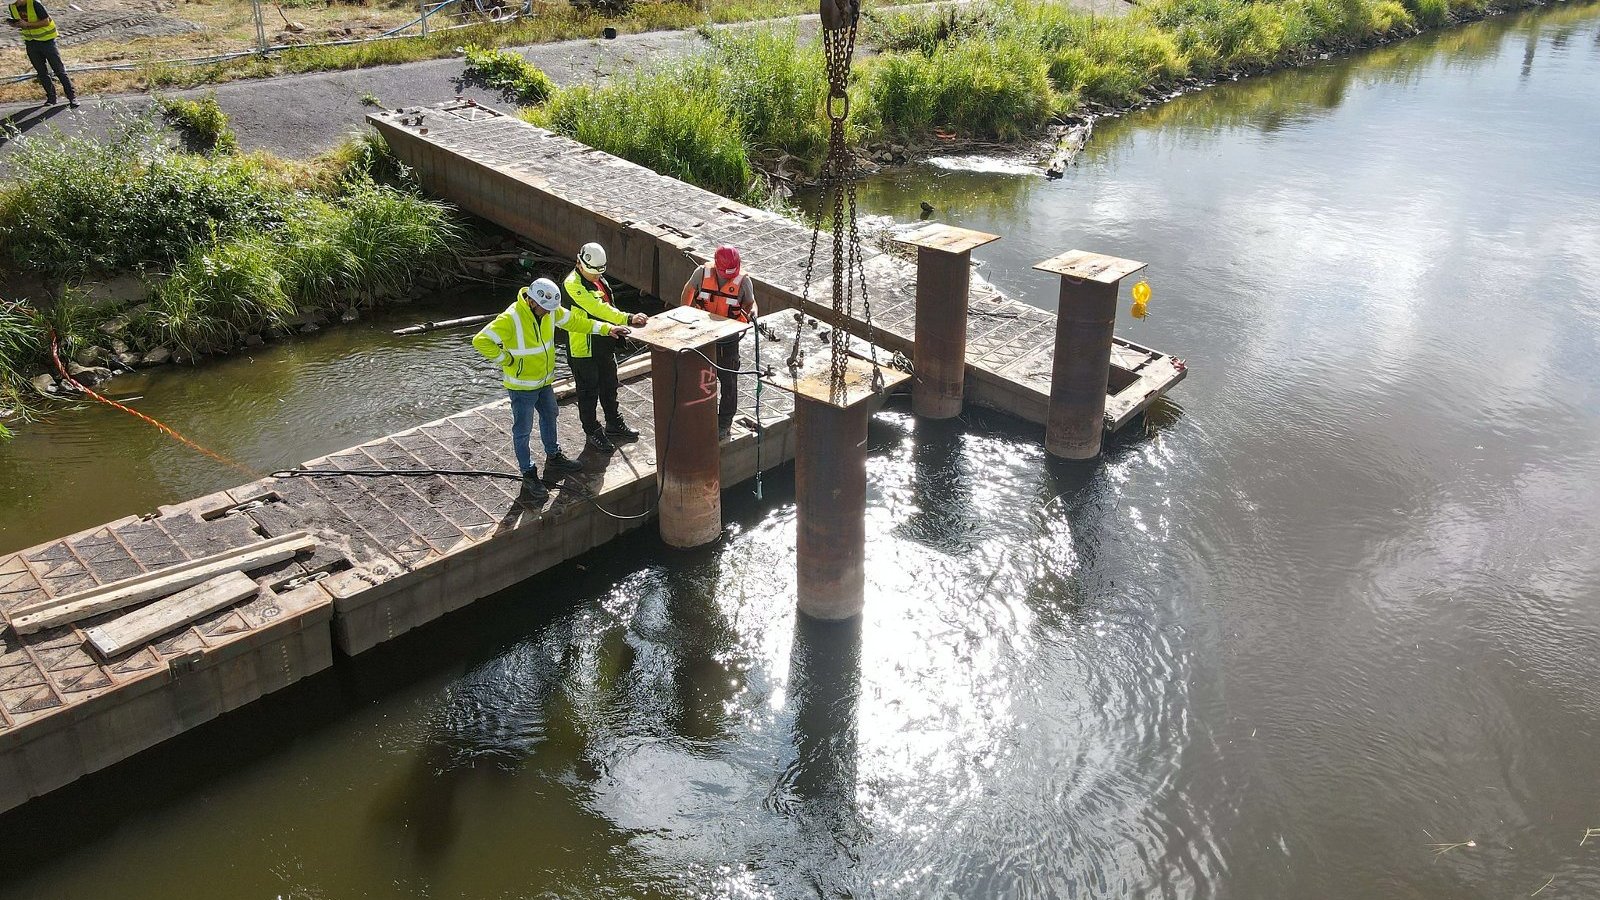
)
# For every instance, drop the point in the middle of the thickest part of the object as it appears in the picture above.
(943, 517)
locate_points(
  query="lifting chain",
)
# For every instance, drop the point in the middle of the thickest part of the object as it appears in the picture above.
(839, 20)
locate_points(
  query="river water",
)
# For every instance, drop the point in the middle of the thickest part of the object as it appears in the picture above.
(1325, 625)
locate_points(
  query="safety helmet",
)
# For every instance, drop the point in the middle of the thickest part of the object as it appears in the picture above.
(545, 293)
(726, 261)
(593, 258)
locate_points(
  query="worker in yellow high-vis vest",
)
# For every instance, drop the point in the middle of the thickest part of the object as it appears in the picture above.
(39, 37)
(594, 359)
(522, 341)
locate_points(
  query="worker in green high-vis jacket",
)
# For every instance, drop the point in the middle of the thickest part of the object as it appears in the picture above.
(39, 38)
(593, 358)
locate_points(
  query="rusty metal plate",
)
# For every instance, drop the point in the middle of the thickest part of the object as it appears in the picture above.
(814, 379)
(946, 238)
(1085, 266)
(685, 328)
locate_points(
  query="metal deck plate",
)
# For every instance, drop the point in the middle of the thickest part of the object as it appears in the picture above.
(814, 380)
(1085, 266)
(947, 238)
(685, 328)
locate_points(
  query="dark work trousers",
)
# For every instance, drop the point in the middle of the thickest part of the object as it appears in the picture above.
(44, 53)
(729, 363)
(596, 376)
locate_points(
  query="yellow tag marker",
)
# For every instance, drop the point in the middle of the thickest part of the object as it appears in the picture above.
(1141, 299)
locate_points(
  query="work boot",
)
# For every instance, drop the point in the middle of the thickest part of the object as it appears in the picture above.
(533, 490)
(724, 428)
(619, 429)
(599, 441)
(557, 464)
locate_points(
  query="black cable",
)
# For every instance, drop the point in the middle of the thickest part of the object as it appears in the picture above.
(376, 473)
(709, 361)
(472, 473)
(483, 473)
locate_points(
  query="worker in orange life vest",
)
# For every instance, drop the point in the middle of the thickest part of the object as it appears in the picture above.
(722, 288)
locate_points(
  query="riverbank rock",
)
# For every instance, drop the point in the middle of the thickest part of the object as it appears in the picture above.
(309, 328)
(253, 340)
(89, 376)
(90, 356)
(160, 356)
(128, 360)
(46, 385)
(349, 315)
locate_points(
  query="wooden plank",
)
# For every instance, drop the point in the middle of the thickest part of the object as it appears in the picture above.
(159, 583)
(144, 625)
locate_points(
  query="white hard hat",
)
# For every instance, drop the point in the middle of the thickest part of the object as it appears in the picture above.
(545, 293)
(593, 258)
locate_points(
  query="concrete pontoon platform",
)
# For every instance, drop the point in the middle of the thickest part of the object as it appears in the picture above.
(392, 554)
(561, 193)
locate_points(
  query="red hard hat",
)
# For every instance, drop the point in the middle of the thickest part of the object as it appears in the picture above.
(727, 262)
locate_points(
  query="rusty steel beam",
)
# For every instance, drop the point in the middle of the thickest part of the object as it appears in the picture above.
(944, 277)
(1075, 420)
(940, 356)
(831, 501)
(688, 457)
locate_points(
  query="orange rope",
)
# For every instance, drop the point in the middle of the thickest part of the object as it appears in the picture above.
(55, 353)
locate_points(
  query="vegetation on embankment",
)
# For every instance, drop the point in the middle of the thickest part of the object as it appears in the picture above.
(225, 249)
(997, 70)
(551, 21)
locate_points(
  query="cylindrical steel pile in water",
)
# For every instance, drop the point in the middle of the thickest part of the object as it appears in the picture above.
(688, 458)
(831, 496)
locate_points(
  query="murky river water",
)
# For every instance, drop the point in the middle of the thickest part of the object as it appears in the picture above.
(1327, 627)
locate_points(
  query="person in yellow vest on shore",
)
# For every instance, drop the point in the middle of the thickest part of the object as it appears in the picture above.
(522, 340)
(722, 289)
(39, 37)
(594, 359)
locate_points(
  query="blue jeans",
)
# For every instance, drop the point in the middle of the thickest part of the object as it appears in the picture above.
(523, 406)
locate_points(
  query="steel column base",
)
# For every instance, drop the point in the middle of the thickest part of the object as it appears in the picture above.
(688, 454)
(831, 495)
(1085, 321)
(939, 358)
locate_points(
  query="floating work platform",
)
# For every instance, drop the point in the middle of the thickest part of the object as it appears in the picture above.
(392, 553)
(560, 193)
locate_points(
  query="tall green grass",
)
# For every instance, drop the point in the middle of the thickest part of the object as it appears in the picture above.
(230, 245)
(997, 88)
(374, 242)
(79, 204)
(509, 72)
(666, 120)
(203, 123)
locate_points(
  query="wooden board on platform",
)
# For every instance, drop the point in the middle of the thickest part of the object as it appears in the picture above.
(150, 622)
(159, 583)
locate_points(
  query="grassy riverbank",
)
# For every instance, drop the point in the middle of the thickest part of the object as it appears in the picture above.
(988, 71)
(219, 249)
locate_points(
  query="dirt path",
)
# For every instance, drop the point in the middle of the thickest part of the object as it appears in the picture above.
(302, 115)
